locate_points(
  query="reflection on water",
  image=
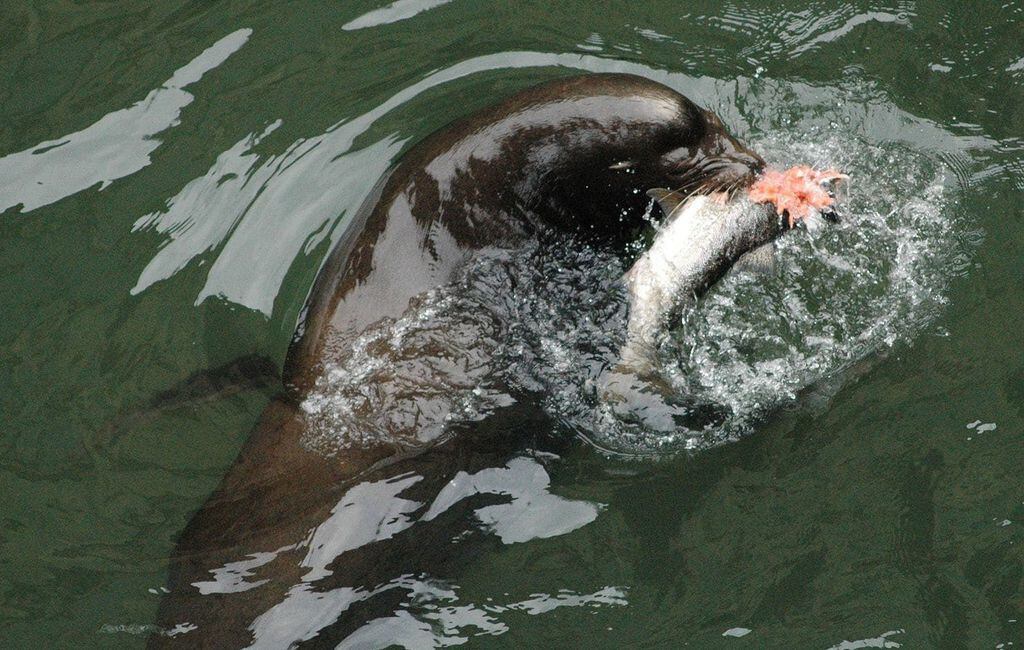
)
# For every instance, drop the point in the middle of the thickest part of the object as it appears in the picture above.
(534, 513)
(117, 145)
(884, 640)
(430, 611)
(888, 516)
(454, 624)
(225, 191)
(369, 512)
(796, 33)
(392, 13)
(295, 195)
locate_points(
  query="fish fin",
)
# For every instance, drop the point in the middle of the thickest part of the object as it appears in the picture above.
(760, 260)
(668, 200)
(816, 221)
(623, 164)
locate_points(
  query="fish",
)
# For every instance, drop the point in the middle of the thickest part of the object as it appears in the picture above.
(702, 237)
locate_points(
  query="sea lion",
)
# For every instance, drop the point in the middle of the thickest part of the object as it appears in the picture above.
(575, 155)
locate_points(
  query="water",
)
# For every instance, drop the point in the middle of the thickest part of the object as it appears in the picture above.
(172, 176)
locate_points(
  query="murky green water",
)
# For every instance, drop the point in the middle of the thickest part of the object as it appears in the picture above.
(172, 174)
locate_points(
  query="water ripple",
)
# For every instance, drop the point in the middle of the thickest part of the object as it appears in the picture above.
(118, 145)
(394, 12)
(283, 206)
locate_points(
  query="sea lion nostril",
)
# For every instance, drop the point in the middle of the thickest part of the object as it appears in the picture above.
(751, 160)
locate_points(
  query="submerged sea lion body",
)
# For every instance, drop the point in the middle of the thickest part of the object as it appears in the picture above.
(574, 155)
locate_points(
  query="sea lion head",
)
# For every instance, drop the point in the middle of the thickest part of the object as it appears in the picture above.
(716, 162)
(647, 136)
(695, 155)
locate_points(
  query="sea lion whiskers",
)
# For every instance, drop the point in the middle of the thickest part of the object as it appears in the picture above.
(710, 175)
(696, 180)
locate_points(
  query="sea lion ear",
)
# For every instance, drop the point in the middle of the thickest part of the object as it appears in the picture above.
(667, 200)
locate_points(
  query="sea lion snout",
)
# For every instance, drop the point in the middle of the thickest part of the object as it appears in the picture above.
(735, 171)
(717, 162)
(732, 164)
(750, 161)
(706, 173)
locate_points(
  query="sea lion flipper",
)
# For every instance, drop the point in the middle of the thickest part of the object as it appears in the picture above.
(251, 372)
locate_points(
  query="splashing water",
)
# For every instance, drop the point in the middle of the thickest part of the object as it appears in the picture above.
(844, 293)
(544, 322)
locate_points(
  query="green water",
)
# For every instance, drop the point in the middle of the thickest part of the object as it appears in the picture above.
(170, 174)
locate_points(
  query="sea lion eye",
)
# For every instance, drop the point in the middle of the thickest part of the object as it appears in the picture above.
(682, 160)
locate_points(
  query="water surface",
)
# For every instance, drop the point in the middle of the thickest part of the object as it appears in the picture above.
(172, 175)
